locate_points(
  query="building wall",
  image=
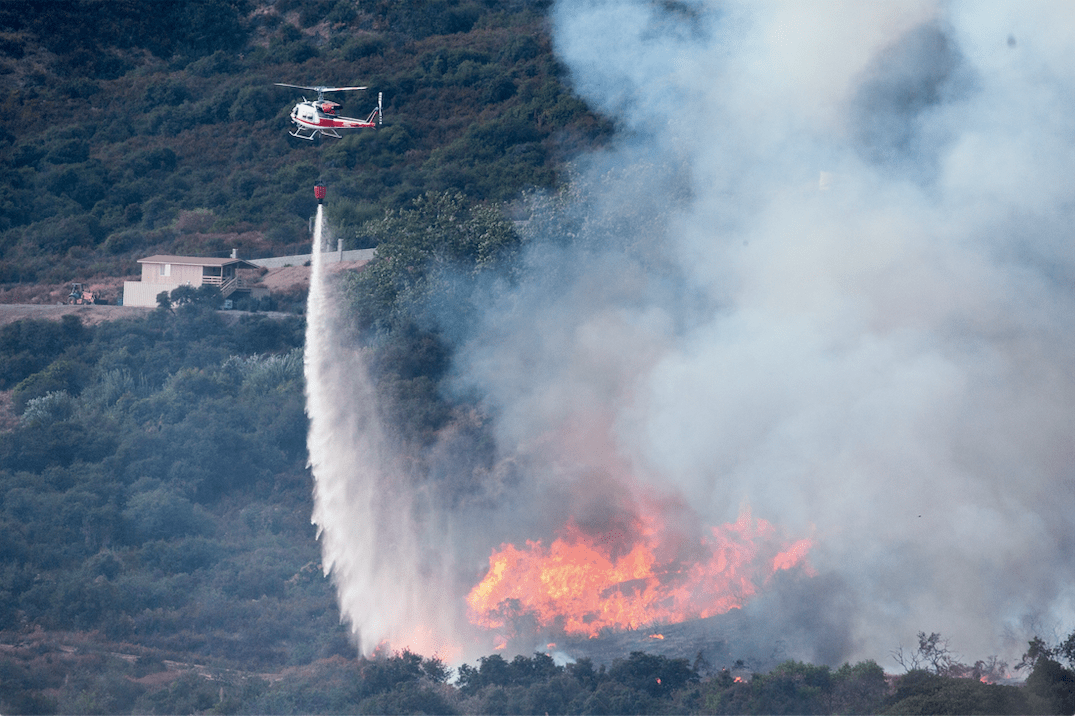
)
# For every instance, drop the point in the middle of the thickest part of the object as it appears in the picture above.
(144, 293)
(176, 274)
(303, 259)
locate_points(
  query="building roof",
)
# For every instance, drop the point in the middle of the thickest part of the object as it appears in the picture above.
(196, 261)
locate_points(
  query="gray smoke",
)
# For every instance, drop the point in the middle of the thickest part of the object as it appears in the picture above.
(827, 271)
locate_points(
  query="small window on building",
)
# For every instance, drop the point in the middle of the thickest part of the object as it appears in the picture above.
(166, 270)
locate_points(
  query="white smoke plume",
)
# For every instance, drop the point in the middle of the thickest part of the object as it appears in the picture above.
(827, 271)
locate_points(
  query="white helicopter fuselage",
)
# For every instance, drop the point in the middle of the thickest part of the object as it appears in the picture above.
(322, 116)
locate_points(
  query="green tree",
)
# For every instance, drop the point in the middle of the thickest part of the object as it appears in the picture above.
(859, 689)
(793, 688)
(924, 692)
(434, 262)
(1038, 649)
(68, 376)
(1053, 685)
(53, 406)
(29, 346)
(655, 675)
(428, 257)
(163, 514)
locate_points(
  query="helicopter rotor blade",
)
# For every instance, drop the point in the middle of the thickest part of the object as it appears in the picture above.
(320, 88)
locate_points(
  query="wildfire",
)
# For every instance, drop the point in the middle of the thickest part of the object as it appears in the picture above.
(580, 584)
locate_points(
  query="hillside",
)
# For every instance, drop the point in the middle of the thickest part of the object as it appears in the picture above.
(139, 132)
(157, 553)
(154, 496)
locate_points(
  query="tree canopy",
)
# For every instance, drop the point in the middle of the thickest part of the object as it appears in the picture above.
(131, 118)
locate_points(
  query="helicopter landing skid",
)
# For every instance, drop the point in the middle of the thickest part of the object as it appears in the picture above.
(311, 134)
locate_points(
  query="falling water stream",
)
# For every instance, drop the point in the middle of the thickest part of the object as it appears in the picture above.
(363, 505)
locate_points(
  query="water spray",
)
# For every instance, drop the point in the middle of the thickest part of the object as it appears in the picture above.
(363, 504)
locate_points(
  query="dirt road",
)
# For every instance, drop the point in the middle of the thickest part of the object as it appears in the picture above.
(11, 312)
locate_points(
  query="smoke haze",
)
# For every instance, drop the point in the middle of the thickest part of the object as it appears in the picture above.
(826, 271)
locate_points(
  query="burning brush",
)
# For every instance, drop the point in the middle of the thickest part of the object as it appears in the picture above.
(581, 585)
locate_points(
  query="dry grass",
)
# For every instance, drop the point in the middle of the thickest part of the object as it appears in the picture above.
(90, 315)
(51, 294)
(291, 277)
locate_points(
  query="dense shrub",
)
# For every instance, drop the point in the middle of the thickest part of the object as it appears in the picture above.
(470, 111)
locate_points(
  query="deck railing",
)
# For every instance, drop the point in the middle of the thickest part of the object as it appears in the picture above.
(228, 285)
(232, 285)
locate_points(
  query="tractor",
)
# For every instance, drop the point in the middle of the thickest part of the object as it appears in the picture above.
(79, 295)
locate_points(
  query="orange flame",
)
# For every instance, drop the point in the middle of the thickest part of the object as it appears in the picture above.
(578, 584)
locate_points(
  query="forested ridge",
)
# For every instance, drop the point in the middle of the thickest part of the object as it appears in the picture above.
(156, 551)
(135, 131)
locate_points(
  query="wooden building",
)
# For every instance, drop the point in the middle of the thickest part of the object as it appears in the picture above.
(166, 273)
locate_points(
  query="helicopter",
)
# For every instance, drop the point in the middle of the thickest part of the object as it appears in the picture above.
(321, 116)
